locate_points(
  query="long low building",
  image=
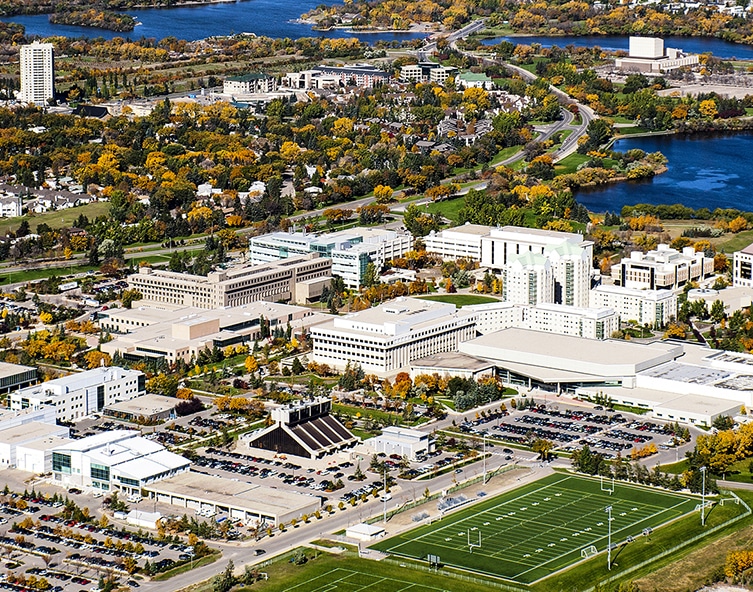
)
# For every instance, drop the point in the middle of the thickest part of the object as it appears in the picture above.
(268, 506)
(15, 376)
(274, 281)
(27, 447)
(563, 362)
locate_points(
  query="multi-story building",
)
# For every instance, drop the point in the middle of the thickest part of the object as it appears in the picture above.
(662, 269)
(350, 250)
(654, 308)
(742, 267)
(528, 279)
(248, 84)
(181, 333)
(386, 338)
(11, 206)
(592, 323)
(459, 242)
(82, 394)
(299, 279)
(363, 75)
(37, 72)
(569, 255)
(119, 460)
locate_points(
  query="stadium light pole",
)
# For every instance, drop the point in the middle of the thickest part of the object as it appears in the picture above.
(703, 496)
(484, 441)
(384, 496)
(608, 510)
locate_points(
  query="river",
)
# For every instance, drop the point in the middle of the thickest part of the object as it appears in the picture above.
(704, 171)
(718, 47)
(270, 18)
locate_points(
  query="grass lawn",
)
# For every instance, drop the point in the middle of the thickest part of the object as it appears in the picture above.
(448, 208)
(461, 300)
(629, 131)
(63, 218)
(676, 468)
(570, 163)
(729, 243)
(531, 533)
(740, 471)
(38, 274)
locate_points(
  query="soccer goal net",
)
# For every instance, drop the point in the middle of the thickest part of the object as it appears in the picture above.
(707, 504)
(729, 500)
(588, 552)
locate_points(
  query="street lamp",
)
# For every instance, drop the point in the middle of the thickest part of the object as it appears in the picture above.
(608, 510)
(384, 495)
(484, 441)
(703, 496)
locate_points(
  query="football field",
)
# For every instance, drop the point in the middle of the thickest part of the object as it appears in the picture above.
(531, 532)
(349, 580)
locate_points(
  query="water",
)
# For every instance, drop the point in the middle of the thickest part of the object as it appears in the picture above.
(705, 171)
(270, 18)
(718, 47)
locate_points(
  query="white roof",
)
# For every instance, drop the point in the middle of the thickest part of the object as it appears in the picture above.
(366, 529)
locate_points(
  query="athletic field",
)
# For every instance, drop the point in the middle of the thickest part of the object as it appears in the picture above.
(529, 533)
(349, 580)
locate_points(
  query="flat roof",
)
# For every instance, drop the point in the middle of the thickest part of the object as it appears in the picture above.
(33, 430)
(474, 229)
(226, 492)
(45, 443)
(698, 404)
(145, 405)
(452, 360)
(7, 369)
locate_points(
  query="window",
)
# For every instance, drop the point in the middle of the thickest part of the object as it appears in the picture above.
(61, 463)
(100, 472)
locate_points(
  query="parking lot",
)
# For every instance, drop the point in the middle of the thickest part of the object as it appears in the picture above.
(570, 428)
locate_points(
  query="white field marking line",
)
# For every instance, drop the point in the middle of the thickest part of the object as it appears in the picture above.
(329, 585)
(614, 534)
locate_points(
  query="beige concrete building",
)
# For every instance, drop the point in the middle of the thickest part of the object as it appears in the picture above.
(742, 267)
(274, 281)
(662, 269)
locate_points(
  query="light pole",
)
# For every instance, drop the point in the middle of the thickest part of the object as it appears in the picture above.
(384, 496)
(608, 510)
(703, 496)
(484, 441)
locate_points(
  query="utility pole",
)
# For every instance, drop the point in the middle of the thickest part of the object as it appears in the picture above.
(608, 510)
(703, 496)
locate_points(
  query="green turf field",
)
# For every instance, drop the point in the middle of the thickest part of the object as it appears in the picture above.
(348, 580)
(536, 530)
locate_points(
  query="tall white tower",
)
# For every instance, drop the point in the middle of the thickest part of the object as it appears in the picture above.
(37, 73)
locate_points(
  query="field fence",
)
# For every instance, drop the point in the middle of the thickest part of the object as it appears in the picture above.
(458, 576)
(676, 548)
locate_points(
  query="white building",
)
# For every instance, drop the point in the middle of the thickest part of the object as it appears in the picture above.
(27, 447)
(402, 441)
(591, 323)
(458, 242)
(117, 460)
(742, 267)
(647, 54)
(247, 84)
(11, 206)
(569, 255)
(528, 279)
(388, 337)
(82, 394)
(654, 308)
(37, 73)
(350, 250)
(662, 269)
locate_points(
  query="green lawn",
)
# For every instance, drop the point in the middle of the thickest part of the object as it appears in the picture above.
(448, 208)
(570, 163)
(531, 533)
(461, 300)
(38, 274)
(63, 218)
(730, 243)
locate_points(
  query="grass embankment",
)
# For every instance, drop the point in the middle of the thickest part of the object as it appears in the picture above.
(461, 300)
(58, 219)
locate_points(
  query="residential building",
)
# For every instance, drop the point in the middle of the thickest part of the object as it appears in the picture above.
(569, 255)
(78, 395)
(248, 84)
(402, 441)
(441, 74)
(350, 250)
(119, 460)
(11, 206)
(528, 279)
(304, 429)
(662, 269)
(654, 308)
(458, 242)
(388, 337)
(591, 323)
(37, 72)
(473, 80)
(153, 331)
(647, 54)
(311, 79)
(742, 267)
(276, 281)
(363, 75)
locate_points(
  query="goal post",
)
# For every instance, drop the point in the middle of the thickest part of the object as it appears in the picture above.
(607, 486)
(472, 544)
(588, 552)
